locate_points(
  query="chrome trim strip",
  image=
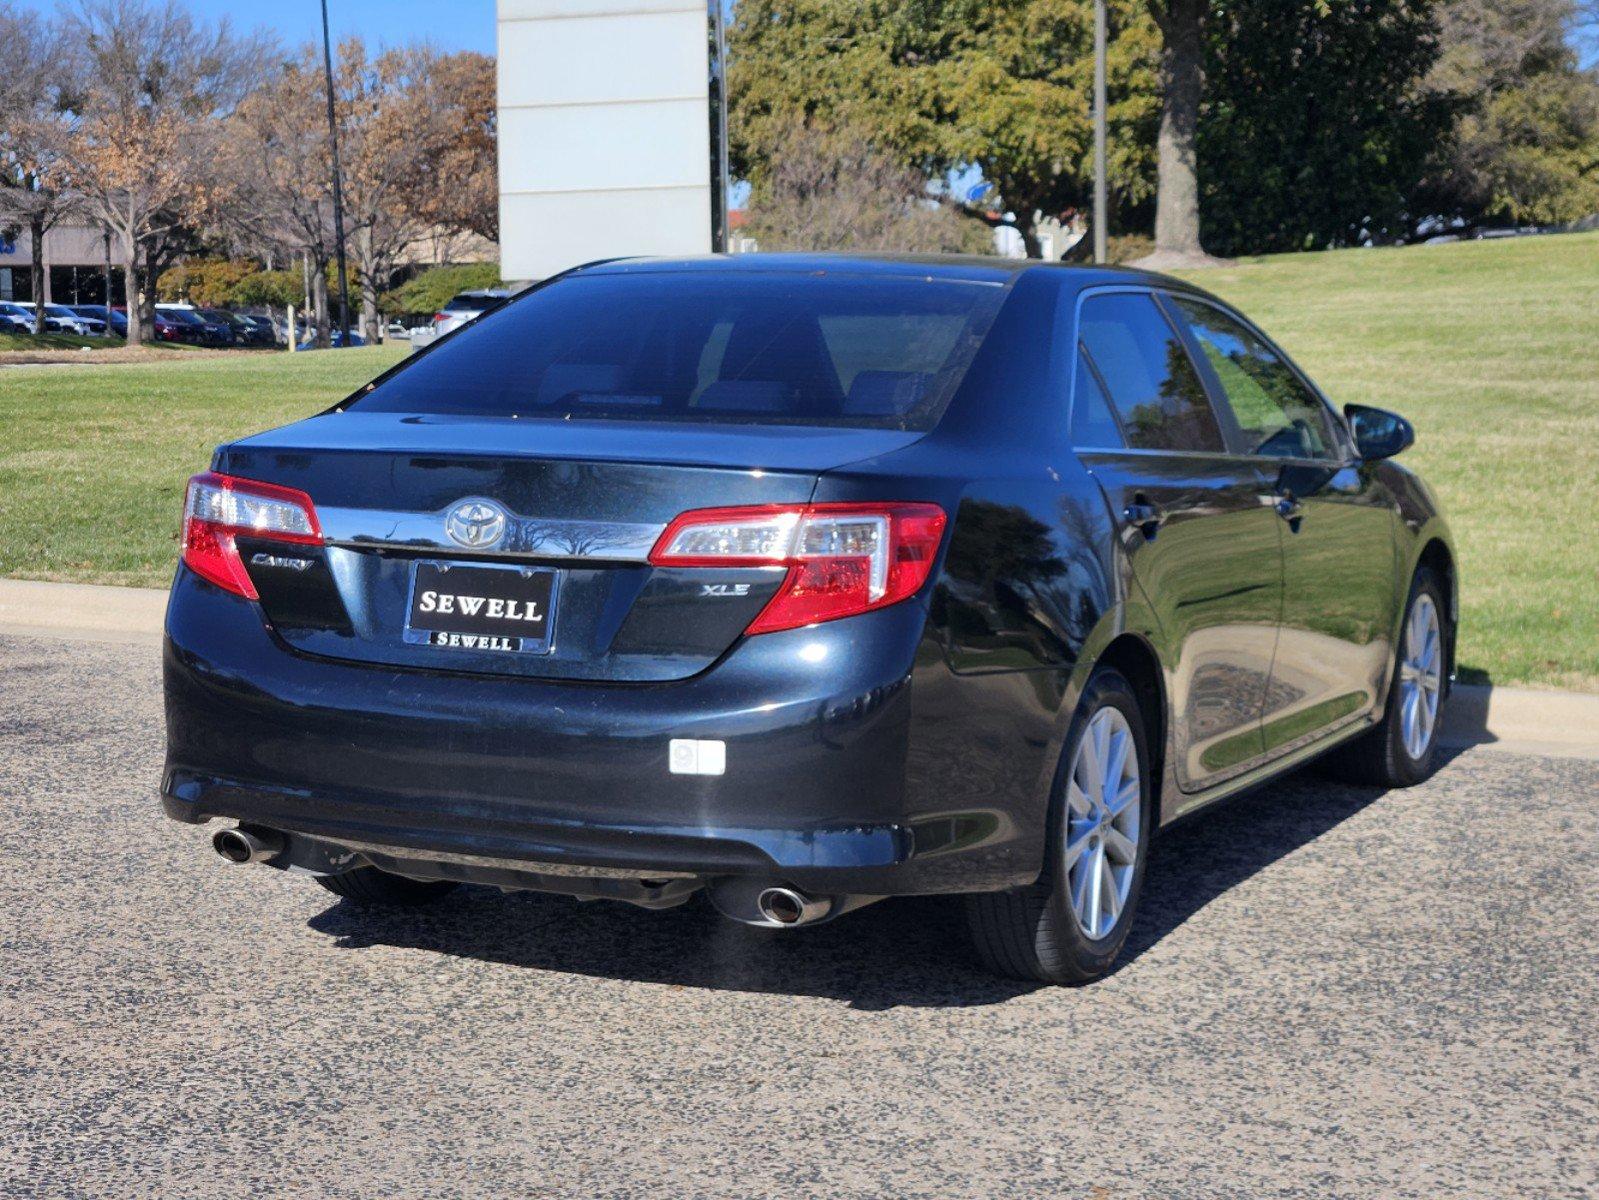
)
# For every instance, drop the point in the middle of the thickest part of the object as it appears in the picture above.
(525, 537)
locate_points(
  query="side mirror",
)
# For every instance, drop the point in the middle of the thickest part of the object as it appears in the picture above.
(1378, 432)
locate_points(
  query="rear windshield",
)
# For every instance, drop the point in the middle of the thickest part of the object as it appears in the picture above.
(708, 346)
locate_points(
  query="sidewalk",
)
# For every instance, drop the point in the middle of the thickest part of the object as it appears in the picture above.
(1516, 720)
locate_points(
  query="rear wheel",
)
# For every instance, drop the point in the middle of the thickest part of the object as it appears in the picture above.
(1401, 749)
(1069, 926)
(370, 886)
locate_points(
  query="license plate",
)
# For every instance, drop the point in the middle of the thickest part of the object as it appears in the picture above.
(505, 609)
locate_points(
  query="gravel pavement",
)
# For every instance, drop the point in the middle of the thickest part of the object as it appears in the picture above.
(1330, 992)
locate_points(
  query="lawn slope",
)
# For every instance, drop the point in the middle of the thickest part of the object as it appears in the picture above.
(1492, 349)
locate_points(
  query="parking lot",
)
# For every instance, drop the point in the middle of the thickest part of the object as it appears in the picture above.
(1330, 992)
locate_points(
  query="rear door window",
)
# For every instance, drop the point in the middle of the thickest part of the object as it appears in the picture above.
(1276, 414)
(1150, 380)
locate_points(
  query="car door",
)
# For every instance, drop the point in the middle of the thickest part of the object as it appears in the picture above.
(1337, 525)
(1204, 549)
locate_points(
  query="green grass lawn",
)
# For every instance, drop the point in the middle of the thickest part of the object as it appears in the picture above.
(1491, 348)
(54, 341)
(93, 459)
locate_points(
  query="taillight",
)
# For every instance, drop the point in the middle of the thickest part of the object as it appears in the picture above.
(219, 507)
(437, 317)
(842, 559)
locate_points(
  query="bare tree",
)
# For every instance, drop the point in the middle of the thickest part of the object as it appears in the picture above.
(157, 86)
(278, 158)
(833, 190)
(36, 129)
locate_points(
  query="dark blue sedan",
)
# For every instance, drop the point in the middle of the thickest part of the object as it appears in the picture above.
(803, 582)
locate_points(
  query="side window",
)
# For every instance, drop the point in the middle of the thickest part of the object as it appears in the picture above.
(1278, 416)
(1093, 424)
(1153, 386)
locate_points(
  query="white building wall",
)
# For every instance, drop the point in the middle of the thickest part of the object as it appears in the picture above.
(604, 116)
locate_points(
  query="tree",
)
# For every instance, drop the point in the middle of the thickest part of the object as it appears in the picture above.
(433, 288)
(278, 157)
(36, 129)
(1182, 59)
(833, 190)
(941, 85)
(157, 86)
(453, 180)
(1526, 144)
(1318, 126)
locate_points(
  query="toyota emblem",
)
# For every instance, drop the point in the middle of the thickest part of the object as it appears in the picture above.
(475, 524)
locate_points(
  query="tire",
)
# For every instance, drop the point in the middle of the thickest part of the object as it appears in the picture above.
(1383, 757)
(1035, 933)
(370, 887)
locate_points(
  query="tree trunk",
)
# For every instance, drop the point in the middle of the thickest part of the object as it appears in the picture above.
(147, 293)
(367, 270)
(319, 296)
(40, 276)
(1029, 231)
(1182, 82)
(130, 293)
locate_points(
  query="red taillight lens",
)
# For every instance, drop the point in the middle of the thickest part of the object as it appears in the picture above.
(842, 559)
(218, 507)
(437, 317)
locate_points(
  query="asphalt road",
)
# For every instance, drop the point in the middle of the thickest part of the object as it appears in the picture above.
(1330, 992)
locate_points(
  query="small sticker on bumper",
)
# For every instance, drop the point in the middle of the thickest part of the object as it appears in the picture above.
(691, 756)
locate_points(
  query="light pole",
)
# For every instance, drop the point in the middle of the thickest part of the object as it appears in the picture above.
(1099, 132)
(338, 188)
(721, 219)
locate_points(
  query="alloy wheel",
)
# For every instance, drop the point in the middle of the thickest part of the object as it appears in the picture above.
(1420, 676)
(1104, 812)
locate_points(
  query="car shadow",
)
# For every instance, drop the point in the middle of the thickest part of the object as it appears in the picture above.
(901, 952)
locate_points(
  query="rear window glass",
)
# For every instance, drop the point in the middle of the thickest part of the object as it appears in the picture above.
(708, 346)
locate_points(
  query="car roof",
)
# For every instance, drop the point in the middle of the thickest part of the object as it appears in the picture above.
(954, 267)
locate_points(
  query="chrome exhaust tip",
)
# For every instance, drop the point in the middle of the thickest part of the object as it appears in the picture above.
(246, 843)
(786, 907)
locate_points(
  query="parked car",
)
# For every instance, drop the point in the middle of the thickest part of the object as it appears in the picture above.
(13, 320)
(54, 322)
(465, 307)
(263, 330)
(805, 581)
(88, 326)
(200, 330)
(113, 317)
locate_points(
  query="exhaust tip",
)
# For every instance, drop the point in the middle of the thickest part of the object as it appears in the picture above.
(785, 906)
(242, 845)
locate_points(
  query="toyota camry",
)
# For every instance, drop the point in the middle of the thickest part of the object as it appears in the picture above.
(801, 582)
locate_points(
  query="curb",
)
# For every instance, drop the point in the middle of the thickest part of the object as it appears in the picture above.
(1519, 720)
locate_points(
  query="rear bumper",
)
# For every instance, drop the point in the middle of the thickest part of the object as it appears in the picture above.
(816, 724)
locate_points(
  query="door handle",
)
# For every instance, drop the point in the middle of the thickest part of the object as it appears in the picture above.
(1145, 517)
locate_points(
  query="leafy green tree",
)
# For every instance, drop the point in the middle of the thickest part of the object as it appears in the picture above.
(270, 289)
(1318, 125)
(1526, 146)
(432, 289)
(942, 85)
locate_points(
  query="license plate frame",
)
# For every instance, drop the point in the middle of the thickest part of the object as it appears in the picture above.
(477, 630)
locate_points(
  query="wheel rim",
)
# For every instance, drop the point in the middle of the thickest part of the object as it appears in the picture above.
(1420, 677)
(1104, 813)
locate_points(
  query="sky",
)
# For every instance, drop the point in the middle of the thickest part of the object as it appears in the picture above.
(447, 24)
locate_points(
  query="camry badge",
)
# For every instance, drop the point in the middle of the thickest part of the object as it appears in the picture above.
(475, 524)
